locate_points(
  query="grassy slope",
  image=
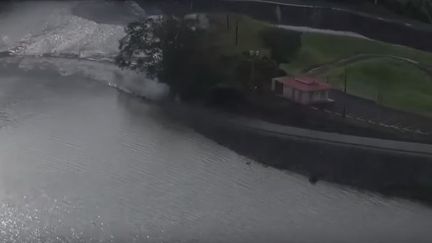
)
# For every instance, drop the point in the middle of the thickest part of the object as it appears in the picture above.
(401, 85)
(320, 49)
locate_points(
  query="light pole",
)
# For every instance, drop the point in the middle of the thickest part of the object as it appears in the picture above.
(345, 94)
(253, 54)
(237, 33)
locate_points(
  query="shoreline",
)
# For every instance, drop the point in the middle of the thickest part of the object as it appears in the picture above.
(378, 171)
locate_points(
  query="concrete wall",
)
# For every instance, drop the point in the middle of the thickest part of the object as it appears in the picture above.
(288, 92)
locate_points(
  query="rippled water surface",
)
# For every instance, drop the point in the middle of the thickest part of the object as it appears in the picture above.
(81, 161)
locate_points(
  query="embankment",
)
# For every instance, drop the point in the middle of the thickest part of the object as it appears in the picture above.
(389, 171)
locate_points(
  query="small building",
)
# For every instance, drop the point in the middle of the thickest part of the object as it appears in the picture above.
(302, 90)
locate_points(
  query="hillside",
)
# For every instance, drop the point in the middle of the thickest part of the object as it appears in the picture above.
(394, 76)
(416, 9)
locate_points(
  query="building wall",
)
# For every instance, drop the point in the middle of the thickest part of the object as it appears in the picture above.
(305, 97)
(298, 96)
(288, 92)
(320, 96)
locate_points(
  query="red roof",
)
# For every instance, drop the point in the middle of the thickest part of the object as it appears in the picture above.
(305, 83)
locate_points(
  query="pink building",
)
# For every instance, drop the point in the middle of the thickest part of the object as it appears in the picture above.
(302, 90)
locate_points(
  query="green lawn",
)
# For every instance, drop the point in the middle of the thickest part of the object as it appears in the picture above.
(317, 48)
(399, 85)
(402, 86)
(320, 49)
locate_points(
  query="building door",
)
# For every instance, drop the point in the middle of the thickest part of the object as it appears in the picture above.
(279, 88)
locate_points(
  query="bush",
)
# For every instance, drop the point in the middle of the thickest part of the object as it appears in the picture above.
(283, 44)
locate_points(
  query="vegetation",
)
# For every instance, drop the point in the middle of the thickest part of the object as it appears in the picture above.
(237, 51)
(283, 45)
(259, 47)
(172, 50)
(392, 83)
(388, 82)
(223, 33)
(193, 60)
(318, 49)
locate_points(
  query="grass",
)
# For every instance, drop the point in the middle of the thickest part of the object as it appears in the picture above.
(319, 49)
(389, 82)
(399, 85)
(402, 86)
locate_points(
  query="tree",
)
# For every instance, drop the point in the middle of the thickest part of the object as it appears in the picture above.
(283, 44)
(162, 48)
(255, 73)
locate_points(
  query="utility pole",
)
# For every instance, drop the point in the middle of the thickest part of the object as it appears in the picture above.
(345, 82)
(379, 96)
(228, 22)
(345, 93)
(278, 14)
(253, 55)
(236, 33)
(252, 73)
(379, 103)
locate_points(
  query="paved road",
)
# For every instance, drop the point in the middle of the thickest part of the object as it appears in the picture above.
(334, 138)
(259, 126)
(364, 110)
(367, 56)
(368, 111)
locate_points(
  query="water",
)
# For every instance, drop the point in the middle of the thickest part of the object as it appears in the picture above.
(81, 161)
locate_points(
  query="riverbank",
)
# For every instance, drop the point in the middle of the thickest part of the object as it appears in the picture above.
(85, 163)
(363, 117)
(391, 173)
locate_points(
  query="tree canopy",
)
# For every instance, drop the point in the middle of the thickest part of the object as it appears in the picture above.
(180, 53)
(283, 44)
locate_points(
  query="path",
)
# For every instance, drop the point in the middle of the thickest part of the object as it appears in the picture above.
(363, 57)
(368, 111)
(263, 127)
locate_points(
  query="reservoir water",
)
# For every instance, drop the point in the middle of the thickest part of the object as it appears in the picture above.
(82, 161)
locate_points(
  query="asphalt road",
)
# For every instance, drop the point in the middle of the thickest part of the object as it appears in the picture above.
(263, 127)
(368, 111)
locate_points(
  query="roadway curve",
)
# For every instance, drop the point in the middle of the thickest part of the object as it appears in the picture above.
(363, 57)
(197, 115)
(262, 127)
